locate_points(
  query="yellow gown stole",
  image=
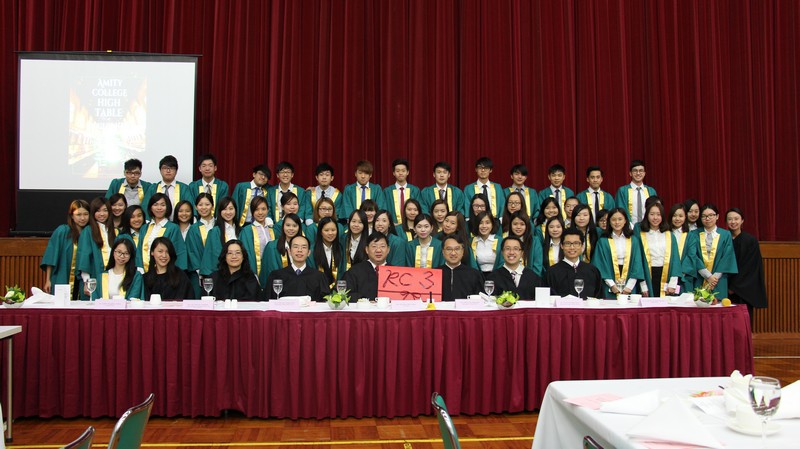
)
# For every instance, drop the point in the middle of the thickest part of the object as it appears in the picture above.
(632, 194)
(525, 193)
(449, 195)
(139, 190)
(177, 186)
(246, 206)
(367, 196)
(626, 264)
(418, 257)
(667, 257)
(708, 259)
(146, 245)
(201, 189)
(590, 200)
(398, 210)
(551, 256)
(492, 196)
(257, 245)
(72, 268)
(110, 295)
(474, 246)
(681, 244)
(203, 233)
(314, 199)
(587, 249)
(105, 251)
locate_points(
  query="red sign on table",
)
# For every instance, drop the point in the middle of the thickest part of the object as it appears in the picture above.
(409, 283)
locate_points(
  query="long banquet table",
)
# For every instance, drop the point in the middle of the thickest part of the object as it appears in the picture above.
(318, 364)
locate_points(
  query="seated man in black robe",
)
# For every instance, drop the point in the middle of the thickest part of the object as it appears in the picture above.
(561, 276)
(513, 275)
(299, 279)
(459, 280)
(362, 278)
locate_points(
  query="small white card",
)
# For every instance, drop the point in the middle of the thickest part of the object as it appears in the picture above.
(110, 304)
(198, 304)
(285, 304)
(470, 303)
(654, 302)
(410, 305)
(61, 293)
(569, 302)
(542, 294)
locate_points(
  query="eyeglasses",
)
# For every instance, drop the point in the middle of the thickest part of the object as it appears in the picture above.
(167, 168)
(299, 246)
(514, 203)
(285, 172)
(453, 249)
(121, 254)
(637, 170)
(571, 244)
(512, 250)
(133, 173)
(326, 209)
(709, 216)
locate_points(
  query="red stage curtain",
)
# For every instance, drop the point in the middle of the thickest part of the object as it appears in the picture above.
(705, 92)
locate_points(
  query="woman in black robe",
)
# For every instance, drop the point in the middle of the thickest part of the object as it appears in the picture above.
(747, 286)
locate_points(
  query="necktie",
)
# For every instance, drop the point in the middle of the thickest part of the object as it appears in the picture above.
(514, 278)
(639, 204)
(709, 242)
(363, 193)
(322, 194)
(486, 192)
(208, 189)
(402, 197)
(557, 195)
(297, 272)
(519, 189)
(596, 205)
(166, 189)
(442, 194)
(256, 191)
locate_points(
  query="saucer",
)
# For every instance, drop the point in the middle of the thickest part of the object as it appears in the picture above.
(772, 427)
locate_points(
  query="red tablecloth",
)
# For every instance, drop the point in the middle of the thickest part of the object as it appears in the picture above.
(78, 362)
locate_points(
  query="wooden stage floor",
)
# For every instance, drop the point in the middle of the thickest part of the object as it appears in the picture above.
(777, 355)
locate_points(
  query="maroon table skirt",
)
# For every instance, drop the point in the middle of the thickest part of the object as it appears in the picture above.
(92, 363)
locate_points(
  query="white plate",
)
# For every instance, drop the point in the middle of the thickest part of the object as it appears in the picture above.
(772, 427)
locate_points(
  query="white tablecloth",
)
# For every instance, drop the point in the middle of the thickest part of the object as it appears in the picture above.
(563, 425)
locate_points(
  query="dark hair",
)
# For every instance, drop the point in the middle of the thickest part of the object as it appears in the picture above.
(424, 217)
(592, 168)
(174, 273)
(113, 199)
(220, 222)
(178, 208)
(711, 206)
(281, 243)
(368, 206)
(511, 238)
(375, 237)
(208, 157)
(645, 224)
(207, 196)
(94, 206)
(318, 203)
(591, 230)
(673, 210)
(474, 225)
(471, 212)
(168, 160)
(284, 165)
(636, 163)
(361, 253)
(364, 166)
(735, 210)
(156, 198)
(223, 270)
(263, 169)
(336, 250)
(125, 221)
(462, 242)
(527, 235)
(547, 238)
(437, 202)
(461, 224)
(555, 168)
(579, 208)
(484, 162)
(404, 221)
(74, 231)
(540, 219)
(507, 214)
(397, 162)
(257, 201)
(285, 198)
(130, 164)
(391, 229)
(626, 227)
(519, 168)
(324, 166)
(130, 265)
(444, 165)
(650, 200)
(600, 215)
(688, 203)
(573, 231)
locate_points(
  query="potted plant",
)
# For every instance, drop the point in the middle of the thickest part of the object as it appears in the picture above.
(336, 300)
(14, 297)
(704, 297)
(507, 300)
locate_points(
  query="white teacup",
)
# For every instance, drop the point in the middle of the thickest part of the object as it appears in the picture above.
(155, 299)
(363, 304)
(622, 299)
(136, 303)
(636, 298)
(206, 298)
(383, 302)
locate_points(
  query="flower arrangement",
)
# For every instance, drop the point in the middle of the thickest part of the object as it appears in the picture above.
(337, 300)
(14, 296)
(704, 297)
(507, 300)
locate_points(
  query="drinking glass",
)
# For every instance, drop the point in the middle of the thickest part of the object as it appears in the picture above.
(620, 285)
(91, 285)
(488, 287)
(277, 287)
(765, 396)
(208, 285)
(341, 286)
(579, 286)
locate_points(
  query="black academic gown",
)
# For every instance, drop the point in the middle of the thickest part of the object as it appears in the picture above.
(748, 285)
(362, 280)
(309, 282)
(460, 282)
(240, 286)
(158, 283)
(527, 284)
(561, 280)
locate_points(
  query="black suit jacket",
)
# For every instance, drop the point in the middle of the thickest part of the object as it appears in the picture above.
(561, 280)
(460, 282)
(239, 286)
(527, 284)
(362, 281)
(309, 282)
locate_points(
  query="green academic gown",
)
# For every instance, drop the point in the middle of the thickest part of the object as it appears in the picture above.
(242, 195)
(61, 256)
(91, 259)
(251, 240)
(210, 261)
(195, 246)
(391, 195)
(118, 186)
(497, 197)
(219, 190)
(170, 231)
(182, 193)
(473, 247)
(454, 197)
(606, 200)
(566, 192)
(397, 251)
(271, 261)
(352, 198)
(435, 257)
(136, 289)
(721, 260)
(311, 202)
(671, 268)
(275, 204)
(686, 242)
(606, 261)
(626, 195)
(532, 204)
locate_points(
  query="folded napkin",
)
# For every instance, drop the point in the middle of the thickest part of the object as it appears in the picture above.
(641, 404)
(790, 402)
(673, 422)
(736, 392)
(38, 296)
